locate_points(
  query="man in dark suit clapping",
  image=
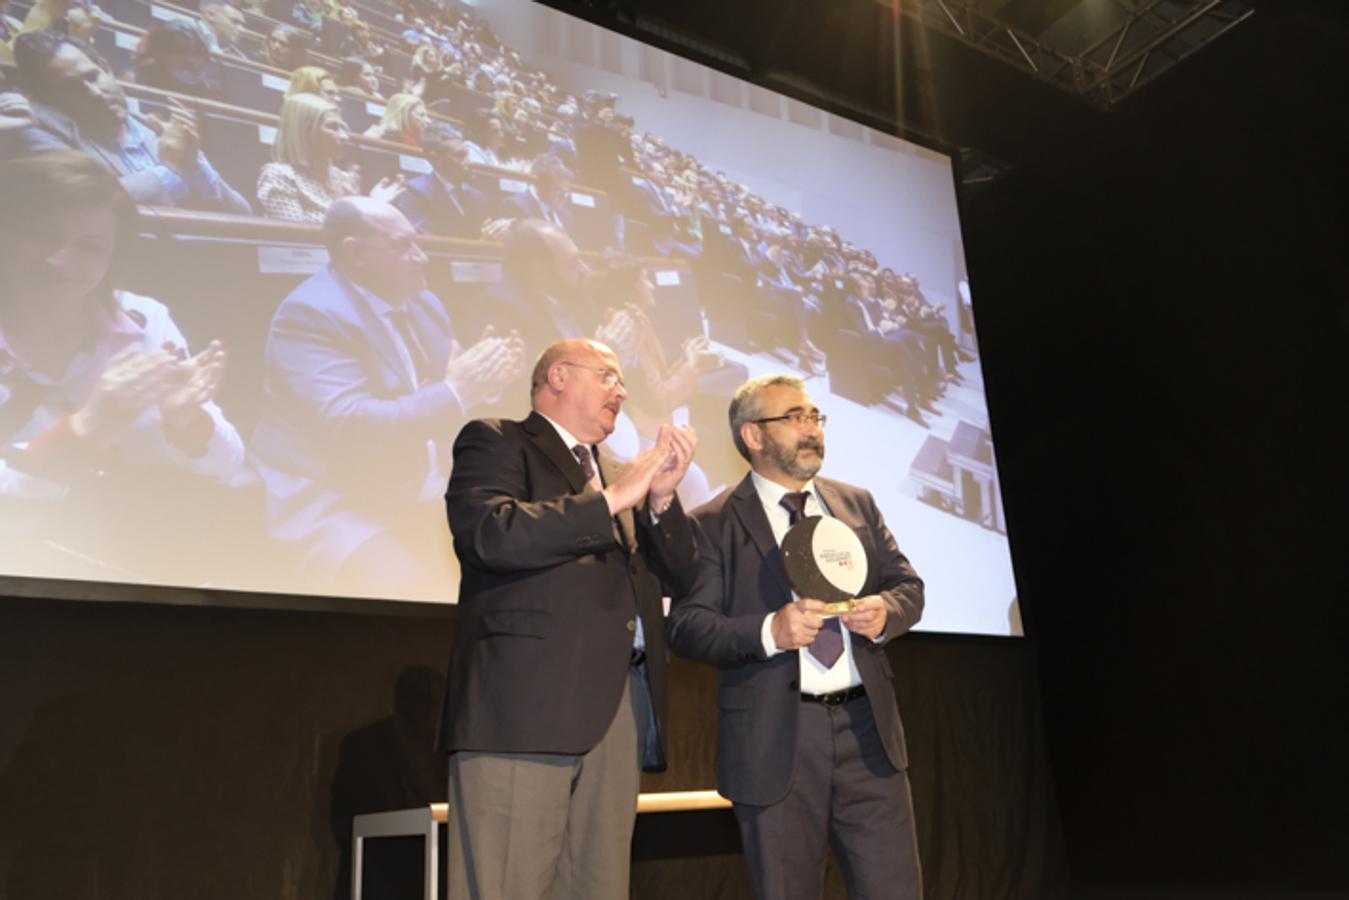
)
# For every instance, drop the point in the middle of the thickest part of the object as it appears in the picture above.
(556, 689)
(810, 748)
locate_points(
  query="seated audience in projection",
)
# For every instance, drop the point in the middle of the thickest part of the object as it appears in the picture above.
(488, 146)
(543, 295)
(287, 48)
(901, 355)
(9, 28)
(366, 385)
(314, 80)
(660, 389)
(222, 25)
(404, 118)
(78, 105)
(82, 23)
(548, 198)
(107, 416)
(781, 295)
(442, 201)
(359, 76)
(303, 181)
(174, 56)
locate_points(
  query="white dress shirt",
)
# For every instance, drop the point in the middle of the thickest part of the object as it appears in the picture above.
(815, 678)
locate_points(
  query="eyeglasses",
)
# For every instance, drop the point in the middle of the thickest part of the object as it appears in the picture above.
(608, 377)
(796, 418)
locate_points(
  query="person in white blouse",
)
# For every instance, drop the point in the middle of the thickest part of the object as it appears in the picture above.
(810, 748)
(103, 405)
(304, 179)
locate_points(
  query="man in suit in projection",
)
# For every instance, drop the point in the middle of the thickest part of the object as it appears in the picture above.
(442, 202)
(556, 692)
(810, 748)
(364, 387)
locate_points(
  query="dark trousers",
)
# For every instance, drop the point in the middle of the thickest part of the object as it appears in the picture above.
(844, 793)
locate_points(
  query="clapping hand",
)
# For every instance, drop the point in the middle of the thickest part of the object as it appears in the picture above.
(201, 379)
(387, 188)
(679, 442)
(132, 383)
(479, 373)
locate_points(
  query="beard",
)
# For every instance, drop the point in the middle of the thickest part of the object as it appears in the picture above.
(788, 456)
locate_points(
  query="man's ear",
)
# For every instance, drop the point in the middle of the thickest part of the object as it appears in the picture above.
(752, 436)
(556, 377)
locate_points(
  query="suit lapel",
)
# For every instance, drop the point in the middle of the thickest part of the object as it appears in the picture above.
(610, 469)
(546, 438)
(748, 508)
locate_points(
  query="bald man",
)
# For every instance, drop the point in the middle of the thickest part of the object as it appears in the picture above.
(556, 694)
(365, 387)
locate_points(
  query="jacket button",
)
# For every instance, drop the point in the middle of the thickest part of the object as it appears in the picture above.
(632, 624)
(791, 685)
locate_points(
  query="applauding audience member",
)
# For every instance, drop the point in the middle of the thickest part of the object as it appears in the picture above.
(78, 105)
(101, 399)
(303, 180)
(366, 385)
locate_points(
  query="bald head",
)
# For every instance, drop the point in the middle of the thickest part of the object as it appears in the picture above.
(373, 244)
(578, 384)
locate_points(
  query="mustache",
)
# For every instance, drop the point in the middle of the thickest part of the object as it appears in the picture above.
(811, 444)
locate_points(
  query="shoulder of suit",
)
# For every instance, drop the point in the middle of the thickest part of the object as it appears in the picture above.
(711, 511)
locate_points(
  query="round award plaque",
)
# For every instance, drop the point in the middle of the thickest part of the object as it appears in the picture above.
(824, 559)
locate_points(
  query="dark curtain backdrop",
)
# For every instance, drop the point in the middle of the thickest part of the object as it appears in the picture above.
(151, 751)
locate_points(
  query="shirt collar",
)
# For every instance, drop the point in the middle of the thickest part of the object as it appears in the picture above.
(770, 492)
(567, 437)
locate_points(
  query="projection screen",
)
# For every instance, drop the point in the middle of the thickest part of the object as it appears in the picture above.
(710, 229)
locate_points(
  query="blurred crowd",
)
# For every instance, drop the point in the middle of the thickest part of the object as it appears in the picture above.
(95, 379)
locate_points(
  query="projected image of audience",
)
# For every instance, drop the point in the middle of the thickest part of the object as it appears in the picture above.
(111, 434)
(361, 221)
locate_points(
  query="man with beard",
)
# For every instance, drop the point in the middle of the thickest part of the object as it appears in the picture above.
(810, 749)
(78, 105)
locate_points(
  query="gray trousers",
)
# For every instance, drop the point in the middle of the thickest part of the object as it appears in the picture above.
(846, 793)
(545, 826)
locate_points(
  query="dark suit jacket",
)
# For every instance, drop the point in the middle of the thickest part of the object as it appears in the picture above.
(338, 396)
(524, 205)
(549, 596)
(740, 580)
(432, 210)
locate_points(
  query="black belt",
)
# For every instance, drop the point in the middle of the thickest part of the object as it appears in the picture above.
(638, 657)
(836, 698)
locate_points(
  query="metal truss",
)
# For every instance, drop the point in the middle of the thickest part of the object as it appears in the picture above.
(1140, 40)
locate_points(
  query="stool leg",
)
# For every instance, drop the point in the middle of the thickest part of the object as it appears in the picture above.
(432, 857)
(357, 853)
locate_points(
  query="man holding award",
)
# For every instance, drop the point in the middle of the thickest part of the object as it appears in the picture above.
(810, 748)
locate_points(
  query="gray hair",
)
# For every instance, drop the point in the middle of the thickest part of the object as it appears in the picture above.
(745, 404)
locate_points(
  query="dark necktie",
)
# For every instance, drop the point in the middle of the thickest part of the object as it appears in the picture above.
(587, 462)
(421, 363)
(828, 644)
